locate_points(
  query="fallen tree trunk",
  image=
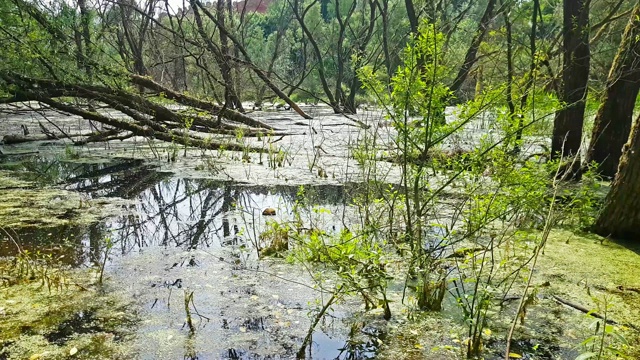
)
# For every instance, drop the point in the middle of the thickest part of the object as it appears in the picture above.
(83, 138)
(12, 139)
(196, 103)
(142, 116)
(182, 138)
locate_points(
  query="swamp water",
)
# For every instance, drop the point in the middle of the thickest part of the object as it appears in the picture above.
(188, 231)
(172, 238)
(166, 240)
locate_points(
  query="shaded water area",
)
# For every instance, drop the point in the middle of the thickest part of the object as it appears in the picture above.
(181, 237)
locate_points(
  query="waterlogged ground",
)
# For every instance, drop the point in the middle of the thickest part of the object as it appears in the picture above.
(181, 235)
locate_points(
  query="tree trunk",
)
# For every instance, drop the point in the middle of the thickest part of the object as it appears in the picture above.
(471, 56)
(230, 94)
(620, 217)
(384, 15)
(530, 77)
(363, 41)
(613, 121)
(248, 63)
(333, 101)
(282, 29)
(567, 127)
(411, 14)
(86, 35)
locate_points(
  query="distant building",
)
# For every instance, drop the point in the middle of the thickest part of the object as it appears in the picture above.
(249, 6)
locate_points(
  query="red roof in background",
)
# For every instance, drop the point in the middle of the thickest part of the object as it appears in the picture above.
(248, 6)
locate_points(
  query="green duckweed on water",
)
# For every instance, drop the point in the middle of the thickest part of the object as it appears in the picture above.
(582, 269)
(25, 205)
(65, 313)
(46, 310)
(74, 317)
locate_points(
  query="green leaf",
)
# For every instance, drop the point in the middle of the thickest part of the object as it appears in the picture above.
(587, 355)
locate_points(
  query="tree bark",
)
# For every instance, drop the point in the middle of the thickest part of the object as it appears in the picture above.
(471, 56)
(316, 51)
(567, 127)
(620, 217)
(231, 97)
(613, 121)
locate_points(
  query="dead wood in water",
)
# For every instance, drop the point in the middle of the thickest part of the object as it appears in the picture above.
(141, 115)
(197, 103)
(592, 313)
(12, 139)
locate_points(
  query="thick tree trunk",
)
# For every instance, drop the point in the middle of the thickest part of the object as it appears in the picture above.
(620, 217)
(567, 127)
(613, 121)
(471, 56)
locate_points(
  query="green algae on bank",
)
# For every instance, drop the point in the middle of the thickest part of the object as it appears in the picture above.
(78, 319)
(8, 180)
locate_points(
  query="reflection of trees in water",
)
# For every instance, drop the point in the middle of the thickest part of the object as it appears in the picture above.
(74, 244)
(190, 213)
(56, 170)
(125, 180)
(181, 213)
(185, 213)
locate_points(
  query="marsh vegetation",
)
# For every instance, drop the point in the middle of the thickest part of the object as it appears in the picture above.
(319, 179)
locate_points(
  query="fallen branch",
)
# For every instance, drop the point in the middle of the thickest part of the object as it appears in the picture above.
(168, 136)
(19, 139)
(196, 103)
(143, 116)
(591, 313)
